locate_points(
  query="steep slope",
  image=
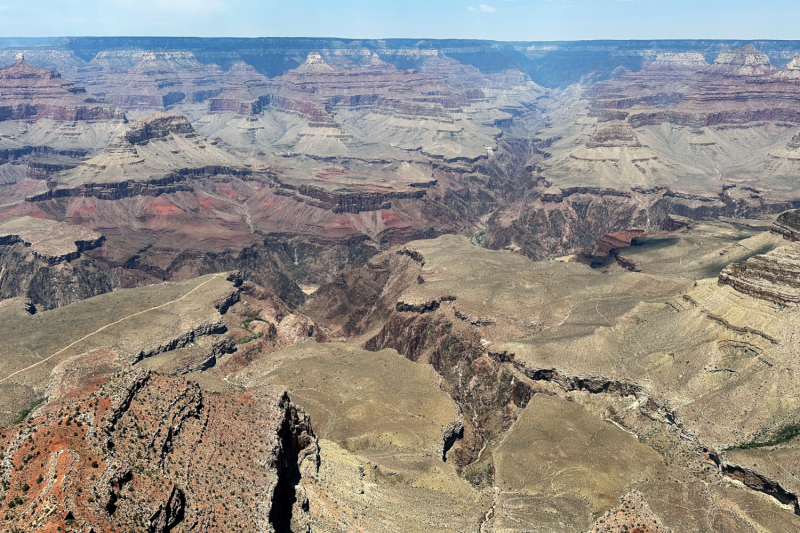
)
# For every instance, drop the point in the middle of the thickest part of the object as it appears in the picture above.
(28, 92)
(139, 450)
(145, 79)
(44, 262)
(47, 118)
(557, 367)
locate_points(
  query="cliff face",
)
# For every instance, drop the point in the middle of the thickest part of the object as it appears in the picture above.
(47, 285)
(745, 61)
(740, 87)
(571, 219)
(774, 276)
(788, 225)
(44, 261)
(31, 93)
(139, 79)
(141, 450)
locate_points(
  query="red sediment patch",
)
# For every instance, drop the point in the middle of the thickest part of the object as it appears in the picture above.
(330, 173)
(162, 206)
(208, 203)
(225, 189)
(389, 216)
(83, 208)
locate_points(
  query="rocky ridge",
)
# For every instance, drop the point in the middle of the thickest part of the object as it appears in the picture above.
(31, 93)
(154, 452)
(772, 276)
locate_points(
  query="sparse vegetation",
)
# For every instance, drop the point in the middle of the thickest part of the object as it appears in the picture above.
(253, 335)
(25, 412)
(784, 434)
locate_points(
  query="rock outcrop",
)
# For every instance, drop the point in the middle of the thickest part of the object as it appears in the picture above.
(52, 241)
(680, 60)
(774, 276)
(740, 87)
(788, 225)
(141, 450)
(609, 244)
(139, 79)
(44, 261)
(792, 70)
(31, 93)
(745, 61)
(613, 136)
(158, 153)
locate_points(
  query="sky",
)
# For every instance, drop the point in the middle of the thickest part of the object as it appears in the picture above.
(505, 20)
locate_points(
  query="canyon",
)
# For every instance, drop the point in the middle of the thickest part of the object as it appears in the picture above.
(399, 285)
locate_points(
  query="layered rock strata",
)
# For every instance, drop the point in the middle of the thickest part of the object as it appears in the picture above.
(740, 87)
(140, 79)
(31, 93)
(774, 276)
(52, 241)
(788, 225)
(745, 61)
(155, 155)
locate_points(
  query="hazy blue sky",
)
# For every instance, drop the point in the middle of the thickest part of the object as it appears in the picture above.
(494, 19)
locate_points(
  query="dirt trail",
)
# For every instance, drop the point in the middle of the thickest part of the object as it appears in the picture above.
(95, 332)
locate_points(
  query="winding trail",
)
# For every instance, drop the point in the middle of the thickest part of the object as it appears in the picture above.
(95, 332)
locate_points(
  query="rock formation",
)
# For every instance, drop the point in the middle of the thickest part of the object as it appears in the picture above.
(613, 136)
(788, 225)
(139, 79)
(792, 70)
(155, 154)
(142, 450)
(609, 244)
(45, 263)
(31, 93)
(745, 61)
(774, 276)
(680, 60)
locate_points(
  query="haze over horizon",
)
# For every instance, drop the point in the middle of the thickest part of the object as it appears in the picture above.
(504, 20)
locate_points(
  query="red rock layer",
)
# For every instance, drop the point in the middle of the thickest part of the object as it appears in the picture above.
(148, 452)
(31, 93)
(316, 86)
(740, 87)
(156, 81)
(610, 241)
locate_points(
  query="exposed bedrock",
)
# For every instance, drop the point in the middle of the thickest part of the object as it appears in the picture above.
(255, 263)
(48, 286)
(157, 126)
(761, 483)
(15, 154)
(613, 135)
(490, 386)
(774, 276)
(145, 451)
(788, 225)
(32, 93)
(345, 201)
(573, 219)
(178, 180)
(608, 245)
(44, 261)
